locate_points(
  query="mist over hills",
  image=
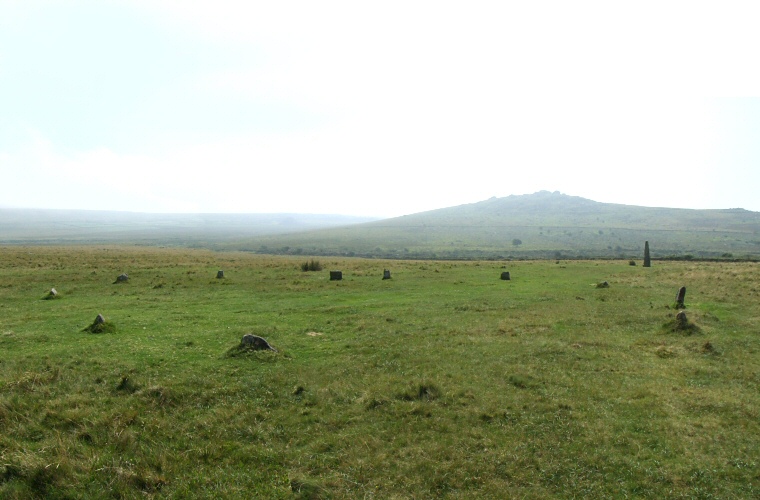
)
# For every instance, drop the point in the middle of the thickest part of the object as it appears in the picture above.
(40, 226)
(539, 225)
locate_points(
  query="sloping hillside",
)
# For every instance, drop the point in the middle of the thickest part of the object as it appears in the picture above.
(542, 225)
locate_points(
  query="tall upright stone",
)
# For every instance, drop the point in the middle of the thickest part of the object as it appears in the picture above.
(647, 259)
(681, 297)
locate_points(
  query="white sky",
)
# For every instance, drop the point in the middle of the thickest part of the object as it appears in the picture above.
(376, 108)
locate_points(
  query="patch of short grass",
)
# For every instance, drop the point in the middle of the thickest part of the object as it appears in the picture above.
(442, 382)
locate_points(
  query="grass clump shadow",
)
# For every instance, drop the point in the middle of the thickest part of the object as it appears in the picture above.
(160, 396)
(304, 489)
(423, 391)
(708, 348)
(248, 353)
(372, 402)
(127, 385)
(37, 480)
(522, 381)
(666, 352)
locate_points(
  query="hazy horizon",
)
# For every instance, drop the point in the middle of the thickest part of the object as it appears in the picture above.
(346, 215)
(375, 110)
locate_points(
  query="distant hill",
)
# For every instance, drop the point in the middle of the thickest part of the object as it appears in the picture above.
(540, 225)
(31, 226)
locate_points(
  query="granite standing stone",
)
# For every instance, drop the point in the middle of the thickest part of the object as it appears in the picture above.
(680, 297)
(647, 259)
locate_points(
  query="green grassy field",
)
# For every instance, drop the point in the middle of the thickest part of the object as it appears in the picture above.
(442, 382)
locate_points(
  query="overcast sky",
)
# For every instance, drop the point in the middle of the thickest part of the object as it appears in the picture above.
(376, 108)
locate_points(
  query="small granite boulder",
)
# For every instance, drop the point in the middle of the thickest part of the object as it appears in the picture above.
(255, 343)
(681, 324)
(681, 320)
(100, 325)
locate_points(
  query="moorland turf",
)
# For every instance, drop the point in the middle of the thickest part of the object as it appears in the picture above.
(443, 382)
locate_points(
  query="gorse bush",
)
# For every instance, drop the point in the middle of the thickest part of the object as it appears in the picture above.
(312, 265)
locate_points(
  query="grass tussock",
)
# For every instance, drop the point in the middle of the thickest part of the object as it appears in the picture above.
(161, 396)
(708, 348)
(100, 327)
(250, 352)
(311, 265)
(680, 324)
(304, 489)
(423, 391)
(36, 479)
(127, 385)
(522, 381)
(666, 351)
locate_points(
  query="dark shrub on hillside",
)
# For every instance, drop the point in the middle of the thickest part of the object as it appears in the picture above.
(312, 265)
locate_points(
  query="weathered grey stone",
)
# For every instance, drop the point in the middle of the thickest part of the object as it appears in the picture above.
(681, 320)
(122, 278)
(680, 297)
(336, 275)
(603, 284)
(505, 276)
(53, 293)
(100, 325)
(386, 274)
(219, 274)
(256, 343)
